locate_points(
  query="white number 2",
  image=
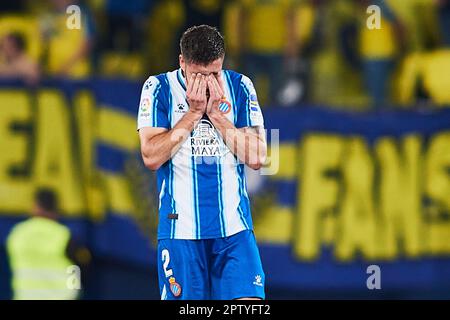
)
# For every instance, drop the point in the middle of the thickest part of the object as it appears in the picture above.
(166, 259)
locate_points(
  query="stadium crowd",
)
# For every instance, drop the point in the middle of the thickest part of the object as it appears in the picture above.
(319, 52)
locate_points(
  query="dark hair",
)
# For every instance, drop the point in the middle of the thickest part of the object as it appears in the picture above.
(202, 45)
(46, 199)
(18, 40)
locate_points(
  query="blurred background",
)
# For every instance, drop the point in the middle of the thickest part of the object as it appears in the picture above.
(362, 168)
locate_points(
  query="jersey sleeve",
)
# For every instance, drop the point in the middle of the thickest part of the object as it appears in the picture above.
(153, 107)
(248, 110)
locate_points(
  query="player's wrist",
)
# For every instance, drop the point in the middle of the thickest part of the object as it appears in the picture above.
(214, 114)
(195, 114)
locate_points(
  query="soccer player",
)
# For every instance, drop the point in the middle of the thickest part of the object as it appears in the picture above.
(198, 126)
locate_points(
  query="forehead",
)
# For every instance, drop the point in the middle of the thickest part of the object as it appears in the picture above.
(213, 67)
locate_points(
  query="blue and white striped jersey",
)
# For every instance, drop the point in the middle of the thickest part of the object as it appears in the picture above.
(202, 188)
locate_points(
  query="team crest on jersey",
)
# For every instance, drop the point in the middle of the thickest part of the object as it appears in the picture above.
(224, 106)
(175, 287)
(205, 141)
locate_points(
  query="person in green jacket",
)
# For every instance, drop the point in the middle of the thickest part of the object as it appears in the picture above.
(38, 250)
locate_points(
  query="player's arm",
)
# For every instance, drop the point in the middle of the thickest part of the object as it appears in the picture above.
(160, 144)
(249, 143)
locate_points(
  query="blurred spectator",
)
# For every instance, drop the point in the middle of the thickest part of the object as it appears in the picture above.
(68, 53)
(198, 12)
(444, 20)
(12, 6)
(268, 40)
(38, 253)
(379, 49)
(125, 21)
(14, 62)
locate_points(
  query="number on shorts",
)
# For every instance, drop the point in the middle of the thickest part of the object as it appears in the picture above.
(166, 260)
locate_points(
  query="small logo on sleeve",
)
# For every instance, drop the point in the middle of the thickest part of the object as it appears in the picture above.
(147, 85)
(145, 104)
(254, 105)
(258, 281)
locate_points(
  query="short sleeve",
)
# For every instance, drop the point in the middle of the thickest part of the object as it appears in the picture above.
(153, 109)
(248, 110)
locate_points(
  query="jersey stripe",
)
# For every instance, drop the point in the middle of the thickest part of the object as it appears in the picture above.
(180, 80)
(207, 192)
(196, 205)
(220, 198)
(155, 106)
(247, 105)
(242, 195)
(172, 221)
(233, 97)
(173, 224)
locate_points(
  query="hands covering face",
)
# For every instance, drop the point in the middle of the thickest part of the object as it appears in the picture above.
(196, 92)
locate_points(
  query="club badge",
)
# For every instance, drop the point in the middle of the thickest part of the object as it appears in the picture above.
(224, 106)
(175, 287)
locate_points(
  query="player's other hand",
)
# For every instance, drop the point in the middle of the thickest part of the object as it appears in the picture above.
(196, 94)
(215, 95)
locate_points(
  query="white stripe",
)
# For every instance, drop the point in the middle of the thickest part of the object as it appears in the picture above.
(230, 180)
(182, 171)
(161, 193)
(164, 293)
(231, 196)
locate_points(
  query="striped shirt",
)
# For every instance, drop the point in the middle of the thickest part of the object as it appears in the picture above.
(202, 188)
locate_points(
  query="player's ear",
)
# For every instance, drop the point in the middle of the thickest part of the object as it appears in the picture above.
(182, 63)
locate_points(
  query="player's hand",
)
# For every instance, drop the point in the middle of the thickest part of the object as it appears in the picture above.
(216, 95)
(196, 94)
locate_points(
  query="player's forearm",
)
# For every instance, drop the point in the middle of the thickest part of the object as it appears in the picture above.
(249, 147)
(159, 149)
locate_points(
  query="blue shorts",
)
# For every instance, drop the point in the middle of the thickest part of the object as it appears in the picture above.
(210, 269)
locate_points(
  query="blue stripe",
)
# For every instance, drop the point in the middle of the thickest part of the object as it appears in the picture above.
(230, 87)
(241, 214)
(172, 204)
(195, 193)
(247, 106)
(242, 195)
(164, 227)
(208, 203)
(220, 199)
(169, 102)
(169, 111)
(154, 108)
